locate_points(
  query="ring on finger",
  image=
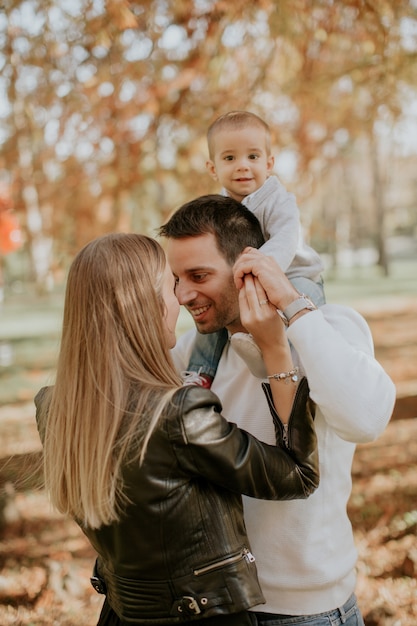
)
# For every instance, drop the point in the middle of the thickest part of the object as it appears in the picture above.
(263, 302)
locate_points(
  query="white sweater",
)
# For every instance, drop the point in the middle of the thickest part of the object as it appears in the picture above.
(304, 549)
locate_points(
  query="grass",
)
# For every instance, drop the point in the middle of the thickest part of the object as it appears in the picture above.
(30, 325)
(352, 285)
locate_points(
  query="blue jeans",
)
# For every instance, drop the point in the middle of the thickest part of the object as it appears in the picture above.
(206, 352)
(347, 615)
(208, 349)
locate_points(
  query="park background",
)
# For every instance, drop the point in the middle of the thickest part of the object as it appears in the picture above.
(104, 107)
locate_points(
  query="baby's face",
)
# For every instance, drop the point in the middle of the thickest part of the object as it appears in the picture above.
(241, 161)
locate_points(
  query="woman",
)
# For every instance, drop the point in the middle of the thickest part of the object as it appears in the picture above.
(149, 468)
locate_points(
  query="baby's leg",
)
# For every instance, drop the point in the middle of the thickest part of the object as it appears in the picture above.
(314, 290)
(205, 358)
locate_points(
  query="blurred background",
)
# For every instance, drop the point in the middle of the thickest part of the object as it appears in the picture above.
(104, 107)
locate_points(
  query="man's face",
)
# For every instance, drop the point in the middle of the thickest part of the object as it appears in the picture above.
(204, 283)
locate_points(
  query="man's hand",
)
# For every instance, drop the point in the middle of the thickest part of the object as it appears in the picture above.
(278, 289)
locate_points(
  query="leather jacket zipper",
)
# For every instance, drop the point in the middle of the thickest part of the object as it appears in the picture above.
(243, 554)
(285, 435)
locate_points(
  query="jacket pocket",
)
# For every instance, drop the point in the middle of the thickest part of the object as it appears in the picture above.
(244, 554)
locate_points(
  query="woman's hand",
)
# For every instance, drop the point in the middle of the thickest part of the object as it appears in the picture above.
(258, 316)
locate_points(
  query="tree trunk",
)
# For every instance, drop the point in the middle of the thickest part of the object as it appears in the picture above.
(378, 192)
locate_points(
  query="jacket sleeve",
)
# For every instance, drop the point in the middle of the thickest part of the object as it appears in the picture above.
(350, 388)
(207, 445)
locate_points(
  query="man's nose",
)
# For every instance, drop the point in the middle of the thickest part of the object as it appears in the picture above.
(185, 293)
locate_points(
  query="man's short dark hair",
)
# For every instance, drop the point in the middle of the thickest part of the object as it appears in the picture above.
(232, 224)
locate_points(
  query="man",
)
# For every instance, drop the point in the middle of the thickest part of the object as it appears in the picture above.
(304, 549)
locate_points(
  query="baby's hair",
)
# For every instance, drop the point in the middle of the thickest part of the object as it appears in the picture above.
(236, 120)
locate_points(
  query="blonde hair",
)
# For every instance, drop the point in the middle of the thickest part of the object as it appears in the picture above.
(114, 375)
(236, 120)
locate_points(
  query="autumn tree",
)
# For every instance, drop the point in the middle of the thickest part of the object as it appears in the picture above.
(106, 104)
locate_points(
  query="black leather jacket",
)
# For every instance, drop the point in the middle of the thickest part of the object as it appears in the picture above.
(181, 550)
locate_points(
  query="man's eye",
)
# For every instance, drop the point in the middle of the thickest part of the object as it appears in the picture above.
(199, 277)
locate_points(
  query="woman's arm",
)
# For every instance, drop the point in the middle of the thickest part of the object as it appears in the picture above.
(260, 318)
(207, 445)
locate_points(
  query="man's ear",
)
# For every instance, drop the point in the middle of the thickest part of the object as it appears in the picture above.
(270, 164)
(211, 168)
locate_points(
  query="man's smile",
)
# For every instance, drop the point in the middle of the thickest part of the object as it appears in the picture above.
(196, 312)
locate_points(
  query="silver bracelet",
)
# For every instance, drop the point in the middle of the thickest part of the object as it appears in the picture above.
(287, 376)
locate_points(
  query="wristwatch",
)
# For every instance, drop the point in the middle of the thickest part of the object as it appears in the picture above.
(301, 303)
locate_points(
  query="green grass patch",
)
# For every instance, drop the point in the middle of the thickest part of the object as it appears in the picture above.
(348, 285)
(30, 325)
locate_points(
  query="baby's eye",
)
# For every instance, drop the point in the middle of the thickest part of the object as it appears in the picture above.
(254, 156)
(229, 157)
